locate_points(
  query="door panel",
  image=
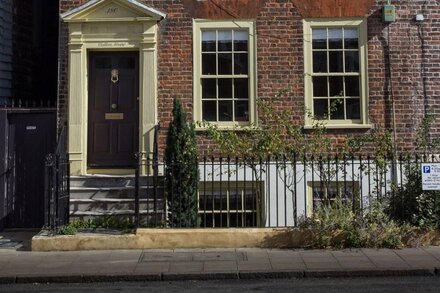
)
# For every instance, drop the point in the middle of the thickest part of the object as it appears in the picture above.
(125, 146)
(102, 138)
(32, 137)
(113, 109)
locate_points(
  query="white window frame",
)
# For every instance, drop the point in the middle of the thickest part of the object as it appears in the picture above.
(361, 25)
(226, 188)
(330, 186)
(202, 24)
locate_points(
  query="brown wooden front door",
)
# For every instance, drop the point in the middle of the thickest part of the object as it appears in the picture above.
(113, 109)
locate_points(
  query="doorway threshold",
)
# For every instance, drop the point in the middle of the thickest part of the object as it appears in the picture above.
(114, 172)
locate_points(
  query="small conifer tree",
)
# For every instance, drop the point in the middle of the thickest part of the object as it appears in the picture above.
(181, 173)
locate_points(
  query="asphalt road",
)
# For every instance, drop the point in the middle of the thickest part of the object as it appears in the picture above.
(358, 285)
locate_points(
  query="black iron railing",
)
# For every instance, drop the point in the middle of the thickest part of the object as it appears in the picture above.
(57, 185)
(149, 164)
(272, 192)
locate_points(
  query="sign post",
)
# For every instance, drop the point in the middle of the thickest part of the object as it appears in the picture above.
(430, 176)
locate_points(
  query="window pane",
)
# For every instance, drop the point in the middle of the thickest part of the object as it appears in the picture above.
(250, 219)
(209, 220)
(103, 63)
(351, 61)
(241, 63)
(225, 88)
(337, 109)
(219, 201)
(335, 38)
(235, 219)
(235, 200)
(319, 61)
(225, 40)
(240, 40)
(208, 202)
(320, 108)
(351, 38)
(353, 109)
(208, 41)
(225, 110)
(336, 86)
(241, 88)
(209, 88)
(352, 86)
(336, 61)
(209, 111)
(319, 38)
(241, 111)
(208, 64)
(250, 201)
(225, 63)
(320, 86)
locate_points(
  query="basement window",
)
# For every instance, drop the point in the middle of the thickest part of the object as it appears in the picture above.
(320, 192)
(232, 204)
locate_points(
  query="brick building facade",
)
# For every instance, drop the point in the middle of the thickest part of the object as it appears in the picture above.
(402, 61)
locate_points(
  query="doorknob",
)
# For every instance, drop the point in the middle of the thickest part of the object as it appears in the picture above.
(114, 106)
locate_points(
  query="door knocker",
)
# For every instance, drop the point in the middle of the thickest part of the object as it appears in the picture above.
(115, 76)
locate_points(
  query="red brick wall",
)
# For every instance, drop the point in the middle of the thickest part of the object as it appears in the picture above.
(280, 57)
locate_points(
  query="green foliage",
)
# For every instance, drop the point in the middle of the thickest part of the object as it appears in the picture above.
(273, 135)
(68, 230)
(326, 223)
(425, 144)
(113, 222)
(336, 225)
(410, 204)
(380, 141)
(122, 223)
(181, 173)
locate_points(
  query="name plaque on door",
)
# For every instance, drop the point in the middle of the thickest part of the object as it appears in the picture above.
(114, 116)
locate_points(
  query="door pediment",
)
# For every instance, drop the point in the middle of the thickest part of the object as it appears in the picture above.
(112, 10)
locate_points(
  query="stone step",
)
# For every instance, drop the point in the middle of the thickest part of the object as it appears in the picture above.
(113, 192)
(97, 213)
(107, 181)
(90, 205)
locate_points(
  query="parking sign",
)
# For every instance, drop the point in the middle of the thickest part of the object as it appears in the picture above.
(430, 176)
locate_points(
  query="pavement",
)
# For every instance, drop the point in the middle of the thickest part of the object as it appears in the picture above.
(21, 266)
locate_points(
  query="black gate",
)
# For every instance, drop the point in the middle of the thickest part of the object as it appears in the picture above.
(57, 184)
(27, 136)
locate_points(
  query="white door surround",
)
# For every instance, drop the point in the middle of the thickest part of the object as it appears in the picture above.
(110, 25)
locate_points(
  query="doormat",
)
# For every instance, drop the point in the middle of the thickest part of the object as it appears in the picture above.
(192, 256)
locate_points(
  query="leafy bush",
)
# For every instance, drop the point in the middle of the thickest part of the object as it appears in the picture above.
(336, 225)
(410, 204)
(104, 222)
(68, 230)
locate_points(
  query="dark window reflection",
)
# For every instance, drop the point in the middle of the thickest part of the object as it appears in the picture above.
(209, 64)
(209, 110)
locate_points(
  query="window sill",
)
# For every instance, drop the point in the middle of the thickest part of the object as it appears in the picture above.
(343, 126)
(226, 128)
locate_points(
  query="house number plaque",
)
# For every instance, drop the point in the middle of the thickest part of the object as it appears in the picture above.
(114, 116)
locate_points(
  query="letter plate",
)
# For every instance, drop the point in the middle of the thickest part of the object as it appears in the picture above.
(114, 116)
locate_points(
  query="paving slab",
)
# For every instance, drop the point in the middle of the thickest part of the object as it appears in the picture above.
(220, 266)
(198, 264)
(186, 267)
